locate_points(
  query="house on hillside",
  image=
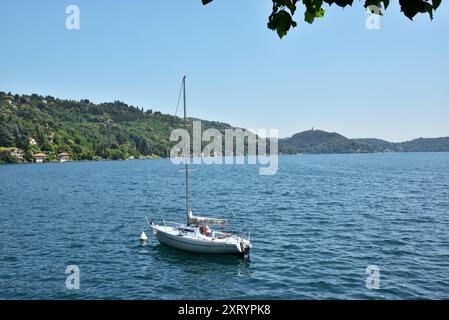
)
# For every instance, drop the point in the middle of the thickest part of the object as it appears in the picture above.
(17, 153)
(32, 142)
(63, 157)
(39, 157)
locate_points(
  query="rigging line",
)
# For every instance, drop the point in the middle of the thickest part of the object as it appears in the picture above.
(179, 99)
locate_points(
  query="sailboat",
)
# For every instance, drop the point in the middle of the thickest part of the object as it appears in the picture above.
(196, 235)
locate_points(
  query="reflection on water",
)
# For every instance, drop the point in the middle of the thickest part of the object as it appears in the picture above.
(202, 263)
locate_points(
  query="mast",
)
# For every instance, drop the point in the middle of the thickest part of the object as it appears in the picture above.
(185, 148)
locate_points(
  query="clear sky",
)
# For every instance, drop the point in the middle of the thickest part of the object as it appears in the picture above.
(334, 75)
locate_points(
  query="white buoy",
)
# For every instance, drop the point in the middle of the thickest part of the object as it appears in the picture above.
(143, 236)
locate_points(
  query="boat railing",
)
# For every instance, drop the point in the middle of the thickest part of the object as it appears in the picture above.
(167, 222)
(245, 235)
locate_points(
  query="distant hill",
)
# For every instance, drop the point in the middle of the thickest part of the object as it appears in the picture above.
(378, 145)
(426, 145)
(417, 145)
(318, 141)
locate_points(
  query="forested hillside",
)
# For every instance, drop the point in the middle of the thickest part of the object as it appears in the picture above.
(84, 129)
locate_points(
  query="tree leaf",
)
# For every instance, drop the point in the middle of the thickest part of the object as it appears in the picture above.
(409, 8)
(320, 13)
(313, 10)
(412, 7)
(281, 22)
(309, 16)
(436, 4)
(429, 8)
(341, 3)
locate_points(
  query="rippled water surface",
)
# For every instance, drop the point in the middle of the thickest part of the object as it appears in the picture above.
(315, 227)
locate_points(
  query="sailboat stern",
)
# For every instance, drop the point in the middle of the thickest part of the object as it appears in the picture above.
(243, 246)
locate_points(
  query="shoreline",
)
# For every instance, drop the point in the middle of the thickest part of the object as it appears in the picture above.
(281, 155)
(79, 161)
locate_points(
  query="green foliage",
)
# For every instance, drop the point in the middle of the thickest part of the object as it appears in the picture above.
(313, 10)
(6, 157)
(281, 18)
(6, 136)
(86, 130)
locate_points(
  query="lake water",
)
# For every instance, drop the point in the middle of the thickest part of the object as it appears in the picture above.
(315, 227)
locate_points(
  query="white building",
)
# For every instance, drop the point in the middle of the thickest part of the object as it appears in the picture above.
(32, 142)
(64, 157)
(17, 153)
(39, 157)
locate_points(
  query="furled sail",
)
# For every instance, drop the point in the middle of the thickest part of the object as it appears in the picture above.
(195, 220)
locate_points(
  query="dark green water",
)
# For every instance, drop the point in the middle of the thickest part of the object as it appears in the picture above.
(315, 227)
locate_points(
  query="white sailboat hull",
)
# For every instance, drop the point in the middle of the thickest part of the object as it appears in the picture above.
(170, 237)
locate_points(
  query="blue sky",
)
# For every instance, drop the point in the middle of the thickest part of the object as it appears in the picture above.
(334, 75)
